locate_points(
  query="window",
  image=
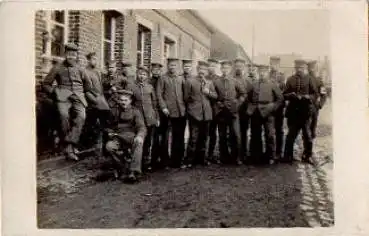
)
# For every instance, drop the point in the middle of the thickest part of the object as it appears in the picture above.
(143, 46)
(169, 48)
(108, 40)
(55, 36)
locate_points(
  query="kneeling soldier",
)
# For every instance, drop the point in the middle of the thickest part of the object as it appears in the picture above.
(265, 97)
(197, 94)
(126, 131)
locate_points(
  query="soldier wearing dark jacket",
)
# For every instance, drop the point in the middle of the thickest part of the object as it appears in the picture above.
(126, 130)
(230, 96)
(69, 94)
(197, 94)
(265, 97)
(278, 78)
(144, 99)
(213, 127)
(187, 68)
(241, 75)
(98, 106)
(170, 97)
(160, 142)
(321, 95)
(113, 81)
(300, 93)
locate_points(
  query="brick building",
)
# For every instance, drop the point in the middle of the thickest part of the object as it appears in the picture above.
(138, 36)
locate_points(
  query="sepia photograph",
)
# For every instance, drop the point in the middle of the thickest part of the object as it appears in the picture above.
(183, 118)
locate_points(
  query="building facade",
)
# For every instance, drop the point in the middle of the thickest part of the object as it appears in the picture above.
(138, 36)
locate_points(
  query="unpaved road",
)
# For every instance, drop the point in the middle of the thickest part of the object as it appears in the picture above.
(284, 195)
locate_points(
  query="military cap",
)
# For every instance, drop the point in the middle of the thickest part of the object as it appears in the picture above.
(226, 62)
(263, 67)
(172, 59)
(110, 62)
(300, 62)
(144, 68)
(126, 64)
(90, 55)
(156, 64)
(274, 58)
(202, 63)
(71, 47)
(312, 63)
(124, 92)
(212, 60)
(239, 60)
(186, 61)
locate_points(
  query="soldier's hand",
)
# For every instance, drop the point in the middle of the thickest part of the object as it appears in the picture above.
(206, 91)
(299, 96)
(138, 140)
(113, 88)
(158, 123)
(306, 96)
(166, 111)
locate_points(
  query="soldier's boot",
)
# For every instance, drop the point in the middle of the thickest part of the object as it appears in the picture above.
(70, 154)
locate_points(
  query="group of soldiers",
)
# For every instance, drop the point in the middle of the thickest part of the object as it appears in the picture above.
(141, 111)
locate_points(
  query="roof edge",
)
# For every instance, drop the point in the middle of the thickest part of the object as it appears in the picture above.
(208, 25)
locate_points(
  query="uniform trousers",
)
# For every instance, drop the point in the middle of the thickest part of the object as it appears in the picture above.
(213, 126)
(196, 148)
(258, 123)
(147, 145)
(229, 123)
(160, 143)
(279, 133)
(114, 149)
(295, 125)
(72, 116)
(314, 122)
(177, 148)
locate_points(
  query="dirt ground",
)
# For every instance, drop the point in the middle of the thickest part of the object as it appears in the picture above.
(283, 195)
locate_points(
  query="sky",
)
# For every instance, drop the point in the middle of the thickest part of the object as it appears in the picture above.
(303, 32)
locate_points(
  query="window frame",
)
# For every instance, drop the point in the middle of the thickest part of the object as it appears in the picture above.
(49, 25)
(105, 40)
(175, 44)
(150, 26)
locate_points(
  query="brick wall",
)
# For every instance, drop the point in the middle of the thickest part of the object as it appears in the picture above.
(40, 27)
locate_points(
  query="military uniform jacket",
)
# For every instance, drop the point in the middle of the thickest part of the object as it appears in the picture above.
(199, 104)
(70, 79)
(300, 85)
(230, 95)
(280, 80)
(246, 84)
(127, 123)
(96, 96)
(170, 95)
(264, 96)
(321, 94)
(144, 99)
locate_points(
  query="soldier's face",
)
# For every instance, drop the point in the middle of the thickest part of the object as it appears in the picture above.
(212, 68)
(93, 61)
(202, 71)
(313, 69)
(187, 68)
(112, 68)
(125, 100)
(141, 76)
(239, 67)
(71, 56)
(156, 71)
(226, 69)
(263, 74)
(172, 67)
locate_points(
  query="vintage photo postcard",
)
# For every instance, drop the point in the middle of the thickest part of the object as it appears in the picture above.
(147, 118)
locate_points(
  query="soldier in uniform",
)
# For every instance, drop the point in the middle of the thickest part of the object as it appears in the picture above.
(321, 95)
(197, 94)
(212, 76)
(99, 108)
(69, 94)
(279, 78)
(126, 130)
(145, 101)
(128, 73)
(265, 98)
(300, 93)
(230, 96)
(170, 97)
(112, 81)
(160, 145)
(187, 68)
(242, 77)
